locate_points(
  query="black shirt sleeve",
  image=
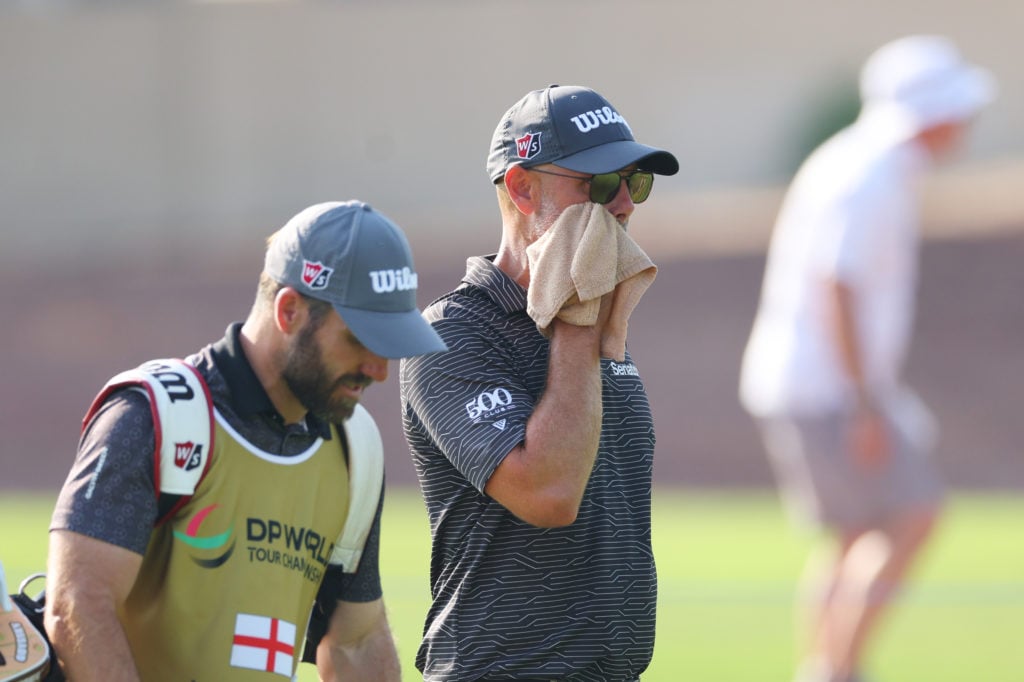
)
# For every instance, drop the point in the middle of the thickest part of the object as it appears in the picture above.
(110, 492)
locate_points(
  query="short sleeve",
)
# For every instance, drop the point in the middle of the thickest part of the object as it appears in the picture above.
(472, 401)
(110, 492)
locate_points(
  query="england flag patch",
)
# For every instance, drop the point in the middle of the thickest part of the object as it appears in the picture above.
(263, 643)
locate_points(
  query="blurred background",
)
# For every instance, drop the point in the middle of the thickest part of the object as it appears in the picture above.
(148, 148)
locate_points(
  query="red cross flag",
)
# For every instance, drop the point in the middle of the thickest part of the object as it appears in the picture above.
(263, 643)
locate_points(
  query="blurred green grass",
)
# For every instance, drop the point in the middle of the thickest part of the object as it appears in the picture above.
(727, 564)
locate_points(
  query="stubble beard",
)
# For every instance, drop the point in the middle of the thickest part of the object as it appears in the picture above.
(548, 213)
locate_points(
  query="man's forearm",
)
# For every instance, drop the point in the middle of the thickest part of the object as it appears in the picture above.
(373, 659)
(868, 439)
(87, 580)
(563, 434)
(846, 336)
(543, 479)
(91, 644)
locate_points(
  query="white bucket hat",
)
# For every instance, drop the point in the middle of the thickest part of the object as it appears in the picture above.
(919, 81)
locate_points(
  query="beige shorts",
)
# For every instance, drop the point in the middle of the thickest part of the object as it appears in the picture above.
(822, 486)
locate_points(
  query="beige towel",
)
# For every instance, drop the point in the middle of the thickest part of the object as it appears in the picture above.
(583, 256)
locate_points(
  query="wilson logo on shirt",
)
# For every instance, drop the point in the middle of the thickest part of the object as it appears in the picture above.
(208, 551)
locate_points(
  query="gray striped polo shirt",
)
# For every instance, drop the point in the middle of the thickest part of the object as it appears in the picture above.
(512, 601)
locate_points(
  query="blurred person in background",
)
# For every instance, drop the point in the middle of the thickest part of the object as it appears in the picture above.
(534, 449)
(848, 441)
(216, 576)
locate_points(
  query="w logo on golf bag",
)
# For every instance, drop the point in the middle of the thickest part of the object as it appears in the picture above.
(188, 455)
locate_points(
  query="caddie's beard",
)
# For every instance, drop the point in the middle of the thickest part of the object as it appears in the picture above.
(307, 378)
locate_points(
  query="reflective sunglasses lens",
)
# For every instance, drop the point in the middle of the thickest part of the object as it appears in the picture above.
(604, 187)
(640, 185)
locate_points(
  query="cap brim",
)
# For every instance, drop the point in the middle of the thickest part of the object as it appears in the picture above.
(392, 335)
(975, 89)
(614, 156)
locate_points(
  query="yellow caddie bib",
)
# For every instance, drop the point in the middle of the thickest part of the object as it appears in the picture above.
(227, 585)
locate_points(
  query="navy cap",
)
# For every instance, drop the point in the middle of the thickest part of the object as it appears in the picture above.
(351, 256)
(575, 128)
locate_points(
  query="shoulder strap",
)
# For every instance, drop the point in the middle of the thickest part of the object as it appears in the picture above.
(183, 425)
(366, 477)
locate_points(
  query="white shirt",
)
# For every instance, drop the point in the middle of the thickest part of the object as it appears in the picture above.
(850, 214)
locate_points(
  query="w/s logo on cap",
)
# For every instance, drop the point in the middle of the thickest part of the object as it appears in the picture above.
(316, 275)
(528, 146)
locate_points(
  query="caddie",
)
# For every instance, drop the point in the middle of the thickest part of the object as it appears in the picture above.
(221, 519)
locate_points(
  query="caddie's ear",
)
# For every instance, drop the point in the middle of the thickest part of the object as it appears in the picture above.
(523, 189)
(290, 310)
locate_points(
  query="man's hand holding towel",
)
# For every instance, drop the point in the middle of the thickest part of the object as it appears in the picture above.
(583, 256)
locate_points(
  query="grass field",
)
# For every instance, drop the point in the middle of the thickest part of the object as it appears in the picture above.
(727, 563)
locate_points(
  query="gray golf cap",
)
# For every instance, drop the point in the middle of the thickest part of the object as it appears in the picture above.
(351, 256)
(575, 128)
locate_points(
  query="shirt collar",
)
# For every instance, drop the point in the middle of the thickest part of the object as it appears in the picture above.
(247, 393)
(506, 292)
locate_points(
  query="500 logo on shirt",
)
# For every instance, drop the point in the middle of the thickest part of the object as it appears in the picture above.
(489, 403)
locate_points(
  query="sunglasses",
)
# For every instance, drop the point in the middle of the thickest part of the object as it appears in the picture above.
(605, 186)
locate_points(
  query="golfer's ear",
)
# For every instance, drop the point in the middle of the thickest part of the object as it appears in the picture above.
(523, 189)
(290, 310)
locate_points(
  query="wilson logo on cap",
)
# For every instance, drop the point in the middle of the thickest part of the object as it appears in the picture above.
(316, 275)
(589, 120)
(528, 146)
(386, 281)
